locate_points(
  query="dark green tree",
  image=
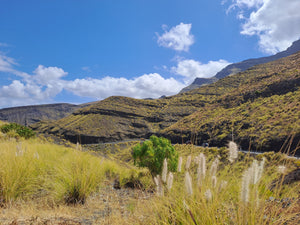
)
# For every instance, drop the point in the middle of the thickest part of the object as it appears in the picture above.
(152, 153)
(21, 131)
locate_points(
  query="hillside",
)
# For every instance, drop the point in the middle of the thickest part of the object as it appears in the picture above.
(261, 110)
(26, 115)
(120, 118)
(235, 68)
(261, 105)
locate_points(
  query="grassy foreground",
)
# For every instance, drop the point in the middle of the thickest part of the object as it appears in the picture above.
(213, 189)
(44, 183)
(30, 170)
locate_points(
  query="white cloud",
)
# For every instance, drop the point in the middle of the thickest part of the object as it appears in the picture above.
(275, 22)
(177, 38)
(46, 75)
(191, 69)
(47, 82)
(148, 85)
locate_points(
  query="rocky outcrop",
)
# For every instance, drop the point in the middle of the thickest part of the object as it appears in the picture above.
(27, 115)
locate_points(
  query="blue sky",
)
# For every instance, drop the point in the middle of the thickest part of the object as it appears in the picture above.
(78, 51)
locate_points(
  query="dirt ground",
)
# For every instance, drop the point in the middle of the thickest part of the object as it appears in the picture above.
(109, 206)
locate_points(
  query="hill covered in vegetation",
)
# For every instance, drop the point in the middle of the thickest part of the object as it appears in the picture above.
(259, 107)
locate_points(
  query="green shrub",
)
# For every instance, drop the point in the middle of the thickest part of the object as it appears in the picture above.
(152, 153)
(18, 130)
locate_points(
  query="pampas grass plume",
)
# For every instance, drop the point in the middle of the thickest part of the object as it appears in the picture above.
(214, 167)
(159, 186)
(188, 183)
(179, 164)
(245, 185)
(208, 195)
(201, 171)
(188, 162)
(214, 181)
(164, 171)
(170, 181)
(233, 151)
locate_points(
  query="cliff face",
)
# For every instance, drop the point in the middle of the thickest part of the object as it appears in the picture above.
(235, 68)
(27, 115)
(259, 106)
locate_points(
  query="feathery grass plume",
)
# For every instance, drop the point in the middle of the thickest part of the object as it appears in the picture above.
(214, 181)
(201, 170)
(19, 150)
(78, 147)
(261, 168)
(188, 162)
(164, 171)
(214, 167)
(233, 151)
(245, 185)
(208, 195)
(179, 164)
(251, 176)
(254, 172)
(223, 185)
(188, 183)
(170, 181)
(257, 170)
(159, 186)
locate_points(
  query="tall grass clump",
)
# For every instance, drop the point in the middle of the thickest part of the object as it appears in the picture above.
(31, 170)
(239, 191)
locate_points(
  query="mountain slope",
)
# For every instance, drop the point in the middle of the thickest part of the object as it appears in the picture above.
(118, 118)
(261, 104)
(26, 115)
(235, 68)
(261, 112)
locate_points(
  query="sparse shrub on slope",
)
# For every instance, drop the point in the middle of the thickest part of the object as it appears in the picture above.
(152, 153)
(17, 130)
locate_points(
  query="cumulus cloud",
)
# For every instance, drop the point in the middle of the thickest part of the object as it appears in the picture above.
(178, 38)
(148, 85)
(191, 69)
(45, 83)
(275, 22)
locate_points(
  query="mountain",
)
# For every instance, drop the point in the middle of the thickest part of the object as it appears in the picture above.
(260, 110)
(26, 115)
(235, 68)
(259, 106)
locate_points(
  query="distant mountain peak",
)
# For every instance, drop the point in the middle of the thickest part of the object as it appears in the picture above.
(235, 68)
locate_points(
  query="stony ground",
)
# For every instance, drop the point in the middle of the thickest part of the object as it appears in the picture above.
(109, 206)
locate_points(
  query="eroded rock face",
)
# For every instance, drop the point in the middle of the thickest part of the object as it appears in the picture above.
(27, 115)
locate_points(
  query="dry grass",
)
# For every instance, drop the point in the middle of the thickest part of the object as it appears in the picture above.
(214, 200)
(108, 206)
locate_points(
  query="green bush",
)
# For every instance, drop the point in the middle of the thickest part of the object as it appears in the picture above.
(20, 130)
(152, 153)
